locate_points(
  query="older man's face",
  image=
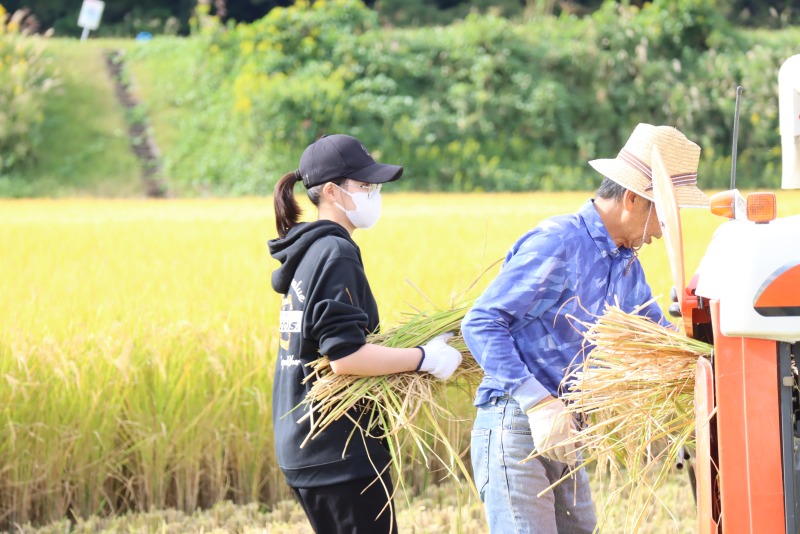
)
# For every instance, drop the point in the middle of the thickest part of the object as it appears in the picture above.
(642, 224)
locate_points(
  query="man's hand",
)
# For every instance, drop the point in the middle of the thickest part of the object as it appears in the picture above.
(551, 424)
(438, 358)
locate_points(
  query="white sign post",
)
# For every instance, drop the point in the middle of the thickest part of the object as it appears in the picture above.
(89, 18)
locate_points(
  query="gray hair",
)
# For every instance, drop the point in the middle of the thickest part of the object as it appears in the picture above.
(610, 190)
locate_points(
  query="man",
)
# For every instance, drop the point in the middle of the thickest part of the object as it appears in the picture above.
(519, 331)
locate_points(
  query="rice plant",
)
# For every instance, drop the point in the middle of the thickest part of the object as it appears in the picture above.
(135, 333)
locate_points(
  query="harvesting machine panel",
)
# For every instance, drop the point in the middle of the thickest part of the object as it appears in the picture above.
(754, 272)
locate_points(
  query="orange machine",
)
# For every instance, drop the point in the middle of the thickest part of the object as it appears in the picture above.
(745, 299)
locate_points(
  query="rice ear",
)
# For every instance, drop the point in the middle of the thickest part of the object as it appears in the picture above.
(634, 394)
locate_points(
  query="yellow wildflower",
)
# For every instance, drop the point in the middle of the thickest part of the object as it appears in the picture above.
(243, 105)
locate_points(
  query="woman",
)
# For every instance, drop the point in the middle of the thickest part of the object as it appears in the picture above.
(328, 308)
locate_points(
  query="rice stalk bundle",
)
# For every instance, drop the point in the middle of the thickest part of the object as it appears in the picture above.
(403, 408)
(633, 395)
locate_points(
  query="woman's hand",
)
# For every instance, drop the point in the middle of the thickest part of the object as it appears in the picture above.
(438, 358)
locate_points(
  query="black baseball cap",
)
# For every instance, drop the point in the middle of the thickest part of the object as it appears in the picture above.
(342, 156)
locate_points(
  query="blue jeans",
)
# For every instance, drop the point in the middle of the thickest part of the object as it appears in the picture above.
(501, 437)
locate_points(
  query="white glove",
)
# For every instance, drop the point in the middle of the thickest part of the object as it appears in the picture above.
(438, 358)
(551, 424)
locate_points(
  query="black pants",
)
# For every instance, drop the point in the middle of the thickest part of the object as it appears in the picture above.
(344, 509)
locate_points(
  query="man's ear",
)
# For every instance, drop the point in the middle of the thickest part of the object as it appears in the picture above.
(629, 200)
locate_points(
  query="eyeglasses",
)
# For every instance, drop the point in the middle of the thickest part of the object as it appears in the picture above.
(369, 189)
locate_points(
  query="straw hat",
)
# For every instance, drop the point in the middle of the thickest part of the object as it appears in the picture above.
(632, 170)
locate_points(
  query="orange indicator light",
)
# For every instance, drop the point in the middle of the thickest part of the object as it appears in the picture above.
(761, 207)
(724, 203)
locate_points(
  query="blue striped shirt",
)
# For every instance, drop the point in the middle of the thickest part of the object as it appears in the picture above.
(519, 329)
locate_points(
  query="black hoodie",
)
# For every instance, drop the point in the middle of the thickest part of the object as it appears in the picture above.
(328, 308)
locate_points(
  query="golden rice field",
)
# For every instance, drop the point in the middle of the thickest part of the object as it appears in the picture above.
(137, 342)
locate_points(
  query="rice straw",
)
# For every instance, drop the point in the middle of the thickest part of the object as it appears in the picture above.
(403, 408)
(633, 395)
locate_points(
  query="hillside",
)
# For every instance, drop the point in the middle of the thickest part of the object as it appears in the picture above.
(84, 148)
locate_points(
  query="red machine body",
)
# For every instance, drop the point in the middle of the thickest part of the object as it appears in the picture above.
(740, 485)
(745, 300)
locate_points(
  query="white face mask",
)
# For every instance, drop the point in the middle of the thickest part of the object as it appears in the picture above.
(368, 208)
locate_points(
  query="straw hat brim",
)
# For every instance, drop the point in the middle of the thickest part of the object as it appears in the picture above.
(688, 196)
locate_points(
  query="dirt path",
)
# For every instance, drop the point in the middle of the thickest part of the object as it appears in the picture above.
(141, 141)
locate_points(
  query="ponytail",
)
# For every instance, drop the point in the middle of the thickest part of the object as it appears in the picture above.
(287, 210)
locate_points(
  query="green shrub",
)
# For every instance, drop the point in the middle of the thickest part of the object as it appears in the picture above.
(25, 78)
(483, 104)
(679, 63)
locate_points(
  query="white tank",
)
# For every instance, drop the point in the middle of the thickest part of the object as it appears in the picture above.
(754, 272)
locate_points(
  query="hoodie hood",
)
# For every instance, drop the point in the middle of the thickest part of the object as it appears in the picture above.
(291, 249)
